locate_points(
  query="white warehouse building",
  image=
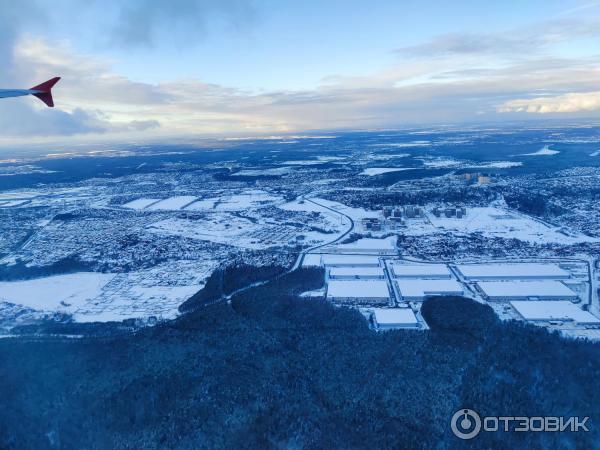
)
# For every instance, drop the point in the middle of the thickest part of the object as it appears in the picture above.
(526, 290)
(384, 246)
(362, 292)
(393, 318)
(518, 271)
(546, 311)
(425, 271)
(360, 273)
(418, 289)
(349, 260)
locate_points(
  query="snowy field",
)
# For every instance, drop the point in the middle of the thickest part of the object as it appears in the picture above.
(222, 228)
(451, 163)
(97, 297)
(172, 203)
(140, 203)
(372, 171)
(61, 293)
(545, 151)
(236, 202)
(252, 198)
(495, 222)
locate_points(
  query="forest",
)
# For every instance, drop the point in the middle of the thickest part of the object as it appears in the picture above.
(269, 369)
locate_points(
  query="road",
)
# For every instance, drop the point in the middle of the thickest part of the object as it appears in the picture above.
(339, 238)
(298, 262)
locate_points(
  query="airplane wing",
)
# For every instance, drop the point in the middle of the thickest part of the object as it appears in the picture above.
(42, 91)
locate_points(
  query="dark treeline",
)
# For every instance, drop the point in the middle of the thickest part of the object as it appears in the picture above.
(21, 271)
(226, 281)
(379, 199)
(532, 203)
(273, 370)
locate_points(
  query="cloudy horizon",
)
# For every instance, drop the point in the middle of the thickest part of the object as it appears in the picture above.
(140, 69)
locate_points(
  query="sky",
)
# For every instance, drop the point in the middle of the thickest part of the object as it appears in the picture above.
(147, 69)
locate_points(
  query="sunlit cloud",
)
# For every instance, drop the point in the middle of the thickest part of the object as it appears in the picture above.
(454, 77)
(567, 103)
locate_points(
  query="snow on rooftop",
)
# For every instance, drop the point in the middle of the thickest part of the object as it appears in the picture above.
(356, 271)
(521, 270)
(344, 260)
(553, 310)
(357, 289)
(311, 260)
(386, 244)
(423, 288)
(546, 288)
(395, 316)
(420, 270)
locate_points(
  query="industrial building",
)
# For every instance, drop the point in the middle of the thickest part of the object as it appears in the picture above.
(519, 271)
(349, 260)
(418, 289)
(362, 272)
(425, 271)
(311, 260)
(384, 246)
(361, 292)
(371, 223)
(546, 311)
(526, 290)
(393, 318)
(450, 211)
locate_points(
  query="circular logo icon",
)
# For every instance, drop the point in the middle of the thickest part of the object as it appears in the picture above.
(465, 424)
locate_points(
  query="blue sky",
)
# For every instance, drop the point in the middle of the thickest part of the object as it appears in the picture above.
(239, 67)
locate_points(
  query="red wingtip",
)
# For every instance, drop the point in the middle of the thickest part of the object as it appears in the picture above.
(45, 89)
(46, 85)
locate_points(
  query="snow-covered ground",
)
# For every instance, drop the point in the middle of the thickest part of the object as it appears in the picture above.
(369, 245)
(495, 222)
(172, 203)
(62, 293)
(372, 171)
(140, 203)
(236, 202)
(98, 297)
(545, 151)
(450, 163)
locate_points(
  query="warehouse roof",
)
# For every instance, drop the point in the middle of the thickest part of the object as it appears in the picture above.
(420, 270)
(553, 310)
(520, 270)
(423, 288)
(336, 260)
(395, 316)
(358, 289)
(356, 271)
(384, 244)
(311, 260)
(546, 288)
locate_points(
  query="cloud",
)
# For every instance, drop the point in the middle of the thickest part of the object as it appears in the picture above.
(511, 43)
(144, 22)
(465, 81)
(19, 119)
(89, 85)
(568, 103)
(86, 80)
